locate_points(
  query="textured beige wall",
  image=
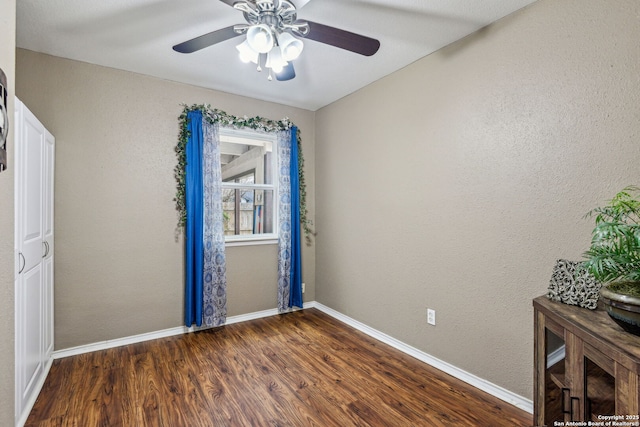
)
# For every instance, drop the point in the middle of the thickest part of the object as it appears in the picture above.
(118, 268)
(458, 181)
(7, 63)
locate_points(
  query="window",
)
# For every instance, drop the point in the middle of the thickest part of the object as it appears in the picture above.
(249, 191)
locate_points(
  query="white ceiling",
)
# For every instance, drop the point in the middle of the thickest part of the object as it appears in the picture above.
(138, 35)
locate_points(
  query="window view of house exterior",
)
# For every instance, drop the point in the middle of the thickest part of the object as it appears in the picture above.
(249, 191)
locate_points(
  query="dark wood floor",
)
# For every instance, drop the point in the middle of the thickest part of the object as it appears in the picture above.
(298, 369)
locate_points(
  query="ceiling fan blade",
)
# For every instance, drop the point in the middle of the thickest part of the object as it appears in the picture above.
(229, 2)
(206, 40)
(343, 39)
(287, 73)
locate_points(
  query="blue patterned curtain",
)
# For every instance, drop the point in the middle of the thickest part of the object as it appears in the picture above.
(289, 246)
(206, 283)
(215, 264)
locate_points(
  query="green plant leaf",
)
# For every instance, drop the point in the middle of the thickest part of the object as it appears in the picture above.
(615, 244)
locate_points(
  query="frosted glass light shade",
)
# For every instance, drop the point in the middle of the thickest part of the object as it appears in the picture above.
(291, 47)
(260, 38)
(275, 61)
(246, 53)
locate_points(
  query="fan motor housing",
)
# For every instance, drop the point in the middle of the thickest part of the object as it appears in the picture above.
(266, 13)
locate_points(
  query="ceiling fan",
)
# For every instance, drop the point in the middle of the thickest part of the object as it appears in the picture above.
(270, 30)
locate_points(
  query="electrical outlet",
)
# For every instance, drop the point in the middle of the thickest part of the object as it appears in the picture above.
(431, 317)
(303, 287)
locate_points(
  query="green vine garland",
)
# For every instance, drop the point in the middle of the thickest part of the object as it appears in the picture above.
(256, 123)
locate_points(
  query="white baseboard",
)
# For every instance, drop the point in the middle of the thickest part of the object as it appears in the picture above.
(473, 380)
(477, 382)
(103, 345)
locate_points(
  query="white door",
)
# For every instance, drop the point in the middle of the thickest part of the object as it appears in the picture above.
(34, 257)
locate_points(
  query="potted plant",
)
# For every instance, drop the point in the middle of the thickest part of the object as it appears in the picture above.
(614, 257)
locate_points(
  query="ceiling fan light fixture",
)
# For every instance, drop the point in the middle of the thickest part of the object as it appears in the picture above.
(291, 47)
(246, 53)
(260, 38)
(275, 61)
(273, 36)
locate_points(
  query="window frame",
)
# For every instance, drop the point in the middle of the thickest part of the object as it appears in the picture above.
(234, 135)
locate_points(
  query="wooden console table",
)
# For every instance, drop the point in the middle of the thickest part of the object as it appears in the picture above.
(587, 368)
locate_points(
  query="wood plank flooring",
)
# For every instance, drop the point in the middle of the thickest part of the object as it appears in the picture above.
(298, 369)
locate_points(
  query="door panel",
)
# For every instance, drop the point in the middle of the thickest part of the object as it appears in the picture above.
(31, 162)
(32, 359)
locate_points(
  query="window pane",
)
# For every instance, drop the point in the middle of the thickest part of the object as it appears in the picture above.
(241, 155)
(248, 161)
(247, 211)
